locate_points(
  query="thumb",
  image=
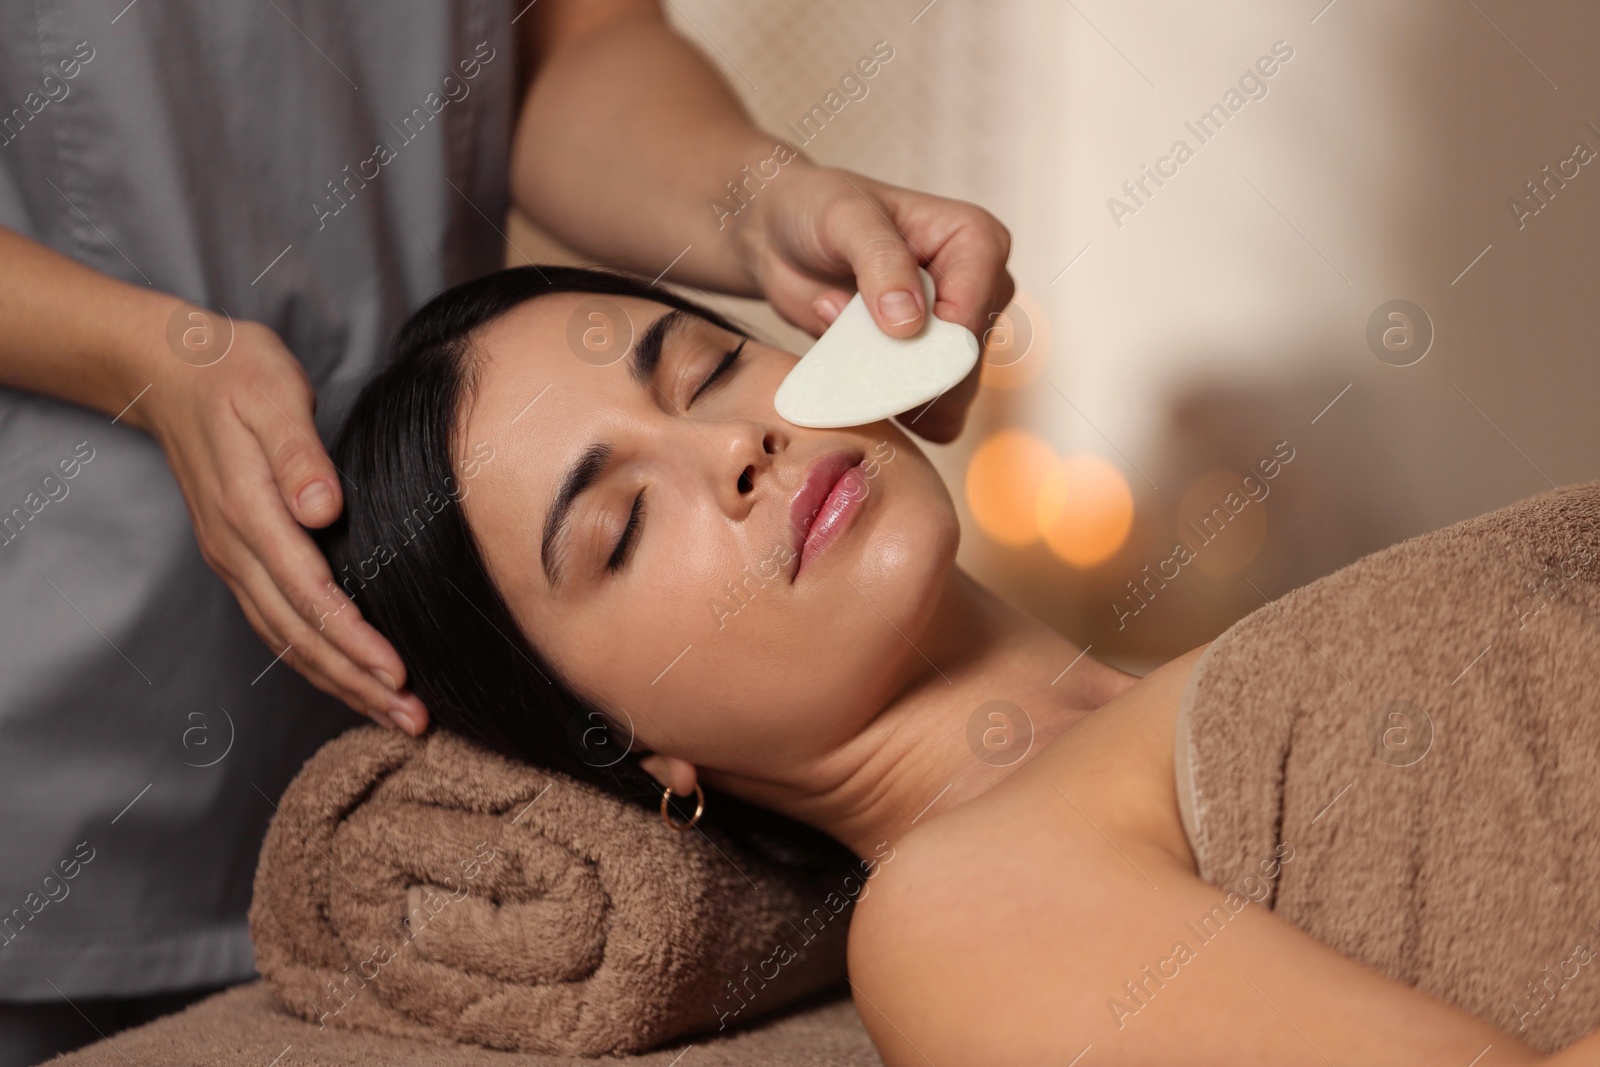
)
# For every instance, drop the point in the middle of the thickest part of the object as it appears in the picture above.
(885, 270)
(301, 468)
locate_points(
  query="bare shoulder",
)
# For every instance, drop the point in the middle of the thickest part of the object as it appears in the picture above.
(1010, 885)
(1060, 912)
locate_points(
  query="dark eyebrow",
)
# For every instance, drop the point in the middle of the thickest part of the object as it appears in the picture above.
(643, 360)
(646, 354)
(580, 476)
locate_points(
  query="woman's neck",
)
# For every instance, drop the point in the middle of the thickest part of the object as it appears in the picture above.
(940, 741)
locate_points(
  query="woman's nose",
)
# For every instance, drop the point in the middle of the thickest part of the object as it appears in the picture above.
(748, 449)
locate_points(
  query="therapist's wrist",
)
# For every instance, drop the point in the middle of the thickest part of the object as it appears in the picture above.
(164, 342)
(138, 351)
(746, 214)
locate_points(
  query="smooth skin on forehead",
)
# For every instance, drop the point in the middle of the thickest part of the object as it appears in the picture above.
(677, 604)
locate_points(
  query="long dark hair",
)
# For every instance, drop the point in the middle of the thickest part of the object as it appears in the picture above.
(403, 551)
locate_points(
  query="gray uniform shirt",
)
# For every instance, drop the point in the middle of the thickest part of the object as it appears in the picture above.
(323, 168)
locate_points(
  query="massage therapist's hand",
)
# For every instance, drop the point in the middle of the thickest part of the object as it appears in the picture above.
(819, 227)
(237, 433)
(239, 437)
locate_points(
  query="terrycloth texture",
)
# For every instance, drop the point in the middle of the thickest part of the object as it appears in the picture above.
(245, 1027)
(431, 889)
(1466, 863)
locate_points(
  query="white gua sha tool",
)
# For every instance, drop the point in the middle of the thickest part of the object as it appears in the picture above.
(855, 373)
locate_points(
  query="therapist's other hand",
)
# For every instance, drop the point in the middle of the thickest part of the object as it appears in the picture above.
(239, 436)
(816, 234)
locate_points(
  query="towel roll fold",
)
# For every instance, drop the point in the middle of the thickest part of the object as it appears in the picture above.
(428, 888)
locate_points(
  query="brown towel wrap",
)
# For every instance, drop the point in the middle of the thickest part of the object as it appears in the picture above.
(431, 889)
(1422, 730)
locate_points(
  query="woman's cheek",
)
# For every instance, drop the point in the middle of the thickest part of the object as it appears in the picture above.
(716, 588)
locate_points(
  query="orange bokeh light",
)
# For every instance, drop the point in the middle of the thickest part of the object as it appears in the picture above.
(1084, 509)
(1003, 479)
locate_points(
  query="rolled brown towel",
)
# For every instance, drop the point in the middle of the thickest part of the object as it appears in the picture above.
(428, 888)
(1403, 759)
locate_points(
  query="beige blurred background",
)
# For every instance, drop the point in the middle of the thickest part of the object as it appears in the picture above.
(1159, 352)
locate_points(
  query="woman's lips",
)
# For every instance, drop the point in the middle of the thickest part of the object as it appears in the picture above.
(827, 501)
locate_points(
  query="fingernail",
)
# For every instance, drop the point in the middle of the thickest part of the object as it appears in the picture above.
(827, 308)
(898, 307)
(401, 720)
(383, 676)
(314, 498)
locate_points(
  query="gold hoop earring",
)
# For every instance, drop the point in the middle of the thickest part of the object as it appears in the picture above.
(700, 805)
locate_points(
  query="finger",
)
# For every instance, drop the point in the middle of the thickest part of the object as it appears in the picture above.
(321, 681)
(301, 468)
(320, 660)
(301, 580)
(318, 647)
(829, 303)
(972, 286)
(971, 283)
(309, 671)
(261, 520)
(795, 296)
(274, 619)
(233, 558)
(884, 264)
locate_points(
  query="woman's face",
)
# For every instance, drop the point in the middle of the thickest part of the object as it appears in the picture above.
(711, 625)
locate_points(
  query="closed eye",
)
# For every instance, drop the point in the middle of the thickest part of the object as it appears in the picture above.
(619, 554)
(721, 368)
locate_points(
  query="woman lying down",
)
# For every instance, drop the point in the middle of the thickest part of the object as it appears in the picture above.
(765, 615)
